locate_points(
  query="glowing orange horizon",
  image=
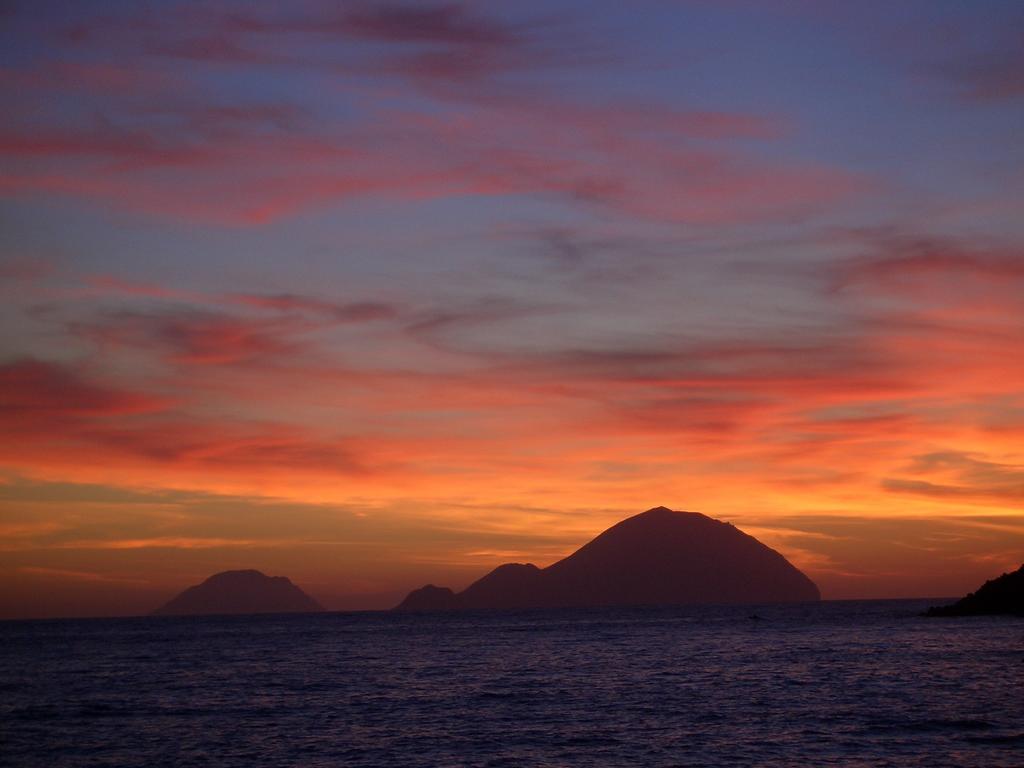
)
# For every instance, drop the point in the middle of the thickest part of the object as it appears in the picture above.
(384, 303)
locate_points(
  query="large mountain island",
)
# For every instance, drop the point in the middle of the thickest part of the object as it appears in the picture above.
(659, 557)
(1001, 595)
(240, 592)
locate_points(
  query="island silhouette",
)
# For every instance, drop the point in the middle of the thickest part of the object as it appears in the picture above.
(659, 557)
(246, 591)
(1004, 594)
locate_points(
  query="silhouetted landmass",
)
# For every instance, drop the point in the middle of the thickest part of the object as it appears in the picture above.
(659, 557)
(1002, 595)
(430, 598)
(240, 592)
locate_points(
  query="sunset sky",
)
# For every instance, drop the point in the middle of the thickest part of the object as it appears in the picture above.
(373, 295)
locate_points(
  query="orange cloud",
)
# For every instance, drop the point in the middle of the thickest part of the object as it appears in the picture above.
(42, 396)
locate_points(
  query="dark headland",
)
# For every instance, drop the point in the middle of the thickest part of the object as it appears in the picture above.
(659, 557)
(240, 592)
(1003, 595)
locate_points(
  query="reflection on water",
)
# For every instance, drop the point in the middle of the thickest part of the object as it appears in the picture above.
(851, 683)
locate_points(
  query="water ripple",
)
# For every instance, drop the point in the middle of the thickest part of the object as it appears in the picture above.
(836, 684)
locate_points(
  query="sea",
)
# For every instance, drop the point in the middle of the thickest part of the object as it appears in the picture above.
(859, 683)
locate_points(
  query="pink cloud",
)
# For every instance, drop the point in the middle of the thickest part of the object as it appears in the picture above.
(117, 286)
(62, 418)
(991, 75)
(196, 337)
(449, 23)
(38, 395)
(351, 312)
(449, 41)
(187, 156)
(251, 168)
(25, 269)
(901, 264)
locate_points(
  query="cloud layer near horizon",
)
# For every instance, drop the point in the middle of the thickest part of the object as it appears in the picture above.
(382, 293)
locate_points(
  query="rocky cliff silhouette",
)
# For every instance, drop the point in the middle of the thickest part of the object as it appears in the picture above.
(240, 592)
(659, 557)
(1004, 594)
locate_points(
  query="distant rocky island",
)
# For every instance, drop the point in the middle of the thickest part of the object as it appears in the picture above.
(1003, 595)
(240, 592)
(659, 557)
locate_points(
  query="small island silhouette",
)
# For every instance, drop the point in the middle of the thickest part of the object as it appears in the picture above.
(659, 557)
(1002, 595)
(247, 591)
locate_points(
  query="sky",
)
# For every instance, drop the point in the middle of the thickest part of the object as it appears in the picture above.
(379, 294)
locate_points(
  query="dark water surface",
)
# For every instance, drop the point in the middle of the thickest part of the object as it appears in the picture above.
(842, 683)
